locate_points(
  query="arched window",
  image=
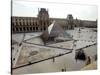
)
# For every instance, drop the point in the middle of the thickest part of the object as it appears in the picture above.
(20, 23)
(44, 28)
(33, 28)
(16, 29)
(30, 28)
(41, 29)
(44, 23)
(27, 29)
(20, 29)
(24, 29)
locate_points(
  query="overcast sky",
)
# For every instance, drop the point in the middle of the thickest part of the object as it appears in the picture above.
(56, 10)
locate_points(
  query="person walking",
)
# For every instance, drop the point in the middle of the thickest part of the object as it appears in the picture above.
(53, 59)
(88, 60)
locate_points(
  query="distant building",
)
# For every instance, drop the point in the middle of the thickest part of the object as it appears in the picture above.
(42, 21)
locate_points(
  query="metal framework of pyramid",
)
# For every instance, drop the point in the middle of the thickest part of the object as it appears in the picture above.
(55, 31)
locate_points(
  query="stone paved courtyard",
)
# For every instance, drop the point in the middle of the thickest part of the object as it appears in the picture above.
(32, 50)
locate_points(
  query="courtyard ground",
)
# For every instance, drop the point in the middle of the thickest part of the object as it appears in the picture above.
(32, 50)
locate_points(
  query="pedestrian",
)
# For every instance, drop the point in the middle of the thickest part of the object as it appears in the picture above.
(76, 55)
(88, 60)
(53, 59)
(95, 57)
(62, 70)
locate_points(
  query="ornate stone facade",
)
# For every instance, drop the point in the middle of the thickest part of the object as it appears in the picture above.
(42, 21)
(31, 24)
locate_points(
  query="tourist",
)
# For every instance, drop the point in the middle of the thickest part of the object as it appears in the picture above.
(88, 60)
(95, 57)
(63, 70)
(53, 59)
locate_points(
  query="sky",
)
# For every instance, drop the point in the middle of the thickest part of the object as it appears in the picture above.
(29, 8)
